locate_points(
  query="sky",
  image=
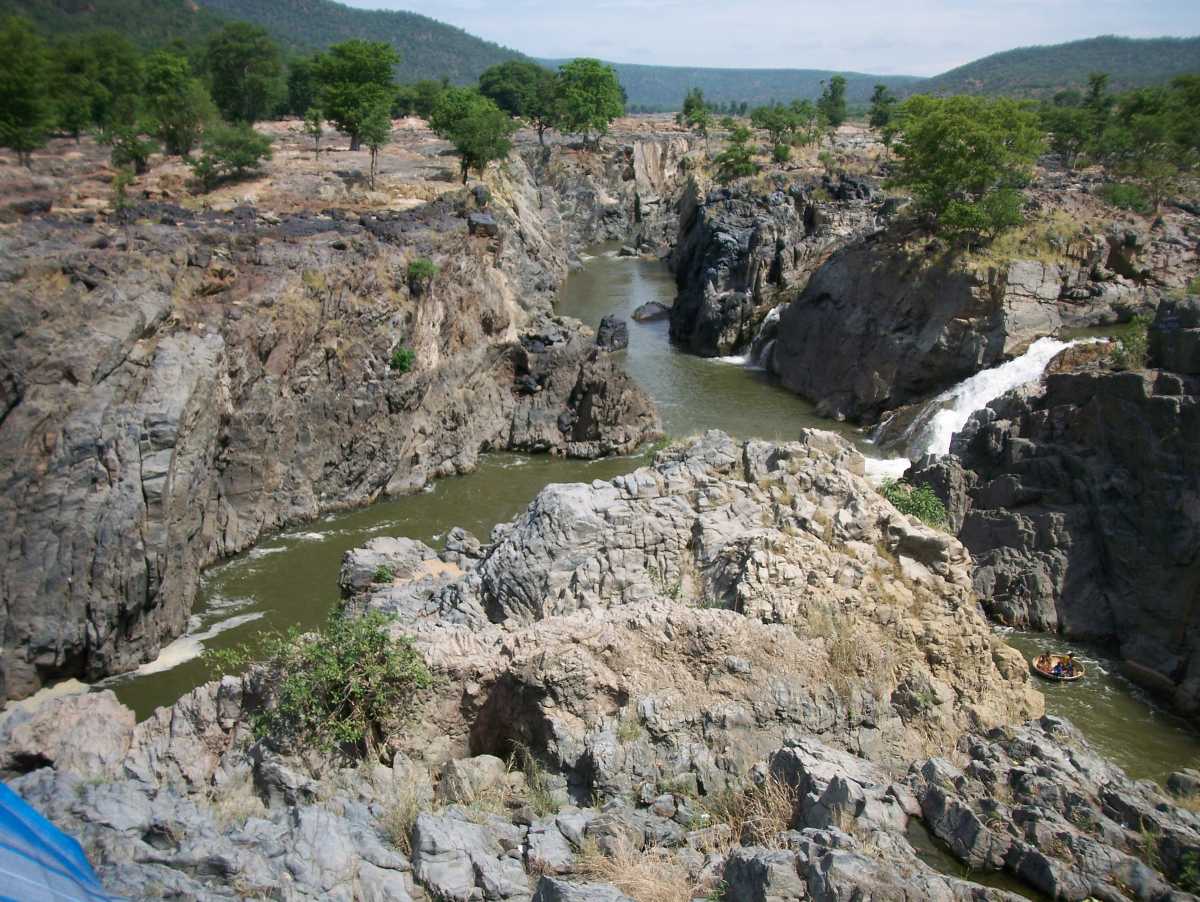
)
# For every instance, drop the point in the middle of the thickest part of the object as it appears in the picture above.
(901, 37)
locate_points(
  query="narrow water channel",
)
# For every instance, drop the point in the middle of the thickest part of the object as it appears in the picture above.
(291, 578)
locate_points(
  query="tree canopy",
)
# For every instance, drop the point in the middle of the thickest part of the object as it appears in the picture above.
(355, 79)
(246, 72)
(525, 90)
(965, 160)
(590, 97)
(479, 130)
(25, 109)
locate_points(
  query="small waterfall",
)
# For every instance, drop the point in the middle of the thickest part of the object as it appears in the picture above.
(763, 345)
(932, 429)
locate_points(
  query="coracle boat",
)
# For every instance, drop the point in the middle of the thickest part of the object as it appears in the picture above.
(1072, 670)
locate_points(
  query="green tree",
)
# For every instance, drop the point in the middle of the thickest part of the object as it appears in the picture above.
(696, 114)
(737, 159)
(177, 102)
(1151, 141)
(479, 130)
(377, 132)
(301, 87)
(246, 72)
(313, 127)
(778, 121)
(118, 71)
(229, 152)
(525, 90)
(26, 112)
(965, 158)
(1098, 103)
(832, 103)
(1069, 129)
(130, 150)
(427, 92)
(591, 97)
(883, 103)
(355, 78)
(804, 122)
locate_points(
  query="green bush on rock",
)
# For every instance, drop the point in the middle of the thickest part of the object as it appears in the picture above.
(917, 501)
(341, 688)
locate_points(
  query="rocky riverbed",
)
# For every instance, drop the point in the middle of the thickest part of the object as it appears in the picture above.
(739, 672)
(175, 381)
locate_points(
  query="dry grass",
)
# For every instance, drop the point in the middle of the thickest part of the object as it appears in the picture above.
(1189, 801)
(759, 814)
(650, 876)
(400, 809)
(234, 802)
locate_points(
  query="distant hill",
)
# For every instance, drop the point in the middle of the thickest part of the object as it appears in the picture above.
(1042, 71)
(664, 87)
(428, 49)
(148, 23)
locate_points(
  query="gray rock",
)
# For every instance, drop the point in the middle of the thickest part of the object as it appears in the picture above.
(483, 225)
(554, 889)
(87, 734)
(613, 334)
(650, 311)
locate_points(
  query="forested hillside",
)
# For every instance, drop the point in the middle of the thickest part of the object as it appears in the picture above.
(428, 49)
(664, 87)
(148, 23)
(1043, 71)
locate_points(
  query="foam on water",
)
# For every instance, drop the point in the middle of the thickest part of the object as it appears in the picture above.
(191, 645)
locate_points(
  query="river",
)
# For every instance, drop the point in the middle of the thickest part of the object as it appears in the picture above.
(290, 579)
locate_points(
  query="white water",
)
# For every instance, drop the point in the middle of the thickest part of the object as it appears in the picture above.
(946, 414)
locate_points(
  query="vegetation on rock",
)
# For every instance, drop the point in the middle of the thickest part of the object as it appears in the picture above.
(341, 688)
(229, 152)
(917, 501)
(479, 130)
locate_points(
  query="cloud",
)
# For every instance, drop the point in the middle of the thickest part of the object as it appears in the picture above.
(917, 37)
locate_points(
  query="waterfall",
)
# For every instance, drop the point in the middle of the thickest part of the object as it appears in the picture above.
(931, 431)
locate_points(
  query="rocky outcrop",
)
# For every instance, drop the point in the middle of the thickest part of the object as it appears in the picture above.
(753, 592)
(1038, 803)
(1075, 500)
(172, 388)
(879, 326)
(738, 249)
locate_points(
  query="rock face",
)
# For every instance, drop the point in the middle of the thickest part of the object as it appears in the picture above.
(737, 250)
(1075, 501)
(878, 327)
(753, 591)
(728, 661)
(171, 389)
(1039, 804)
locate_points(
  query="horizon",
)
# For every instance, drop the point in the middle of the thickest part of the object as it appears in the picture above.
(927, 39)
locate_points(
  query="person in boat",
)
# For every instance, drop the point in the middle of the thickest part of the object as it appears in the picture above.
(1057, 670)
(1069, 667)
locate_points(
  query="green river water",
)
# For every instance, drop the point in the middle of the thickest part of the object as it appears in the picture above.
(291, 578)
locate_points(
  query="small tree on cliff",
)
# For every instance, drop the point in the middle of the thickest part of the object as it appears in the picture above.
(832, 103)
(590, 97)
(355, 78)
(376, 132)
(737, 159)
(965, 160)
(696, 114)
(25, 110)
(479, 130)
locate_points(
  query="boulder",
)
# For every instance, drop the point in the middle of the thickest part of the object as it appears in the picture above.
(87, 734)
(650, 311)
(483, 225)
(613, 334)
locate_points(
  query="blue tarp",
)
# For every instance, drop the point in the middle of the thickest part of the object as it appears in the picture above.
(40, 862)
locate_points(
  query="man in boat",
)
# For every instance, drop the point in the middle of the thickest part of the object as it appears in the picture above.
(1069, 669)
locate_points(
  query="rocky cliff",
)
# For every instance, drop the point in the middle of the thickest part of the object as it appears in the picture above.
(1077, 499)
(175, 382)
(724, 675)
(739, 248)
(882, 324)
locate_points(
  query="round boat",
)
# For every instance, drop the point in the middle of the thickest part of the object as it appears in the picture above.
(1043, 666)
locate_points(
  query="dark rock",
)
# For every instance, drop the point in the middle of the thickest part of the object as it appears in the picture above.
(1174, 336)
(650, 311)
(483, 225)
(1071, 509)
(31, 207)
(482, 196)
(613, 334)
(627, 251)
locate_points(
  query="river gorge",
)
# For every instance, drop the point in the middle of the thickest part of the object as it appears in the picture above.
(651, 620)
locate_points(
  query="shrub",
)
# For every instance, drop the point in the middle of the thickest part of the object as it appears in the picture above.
(343, 687)
(121, 182)
(229, 152)
(383, 574)
(917, 501)
(1126, 196)
(129, 149)
(737, 159)
(421, 272)
(1129, 351)
(402, 360)
(781, 154)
